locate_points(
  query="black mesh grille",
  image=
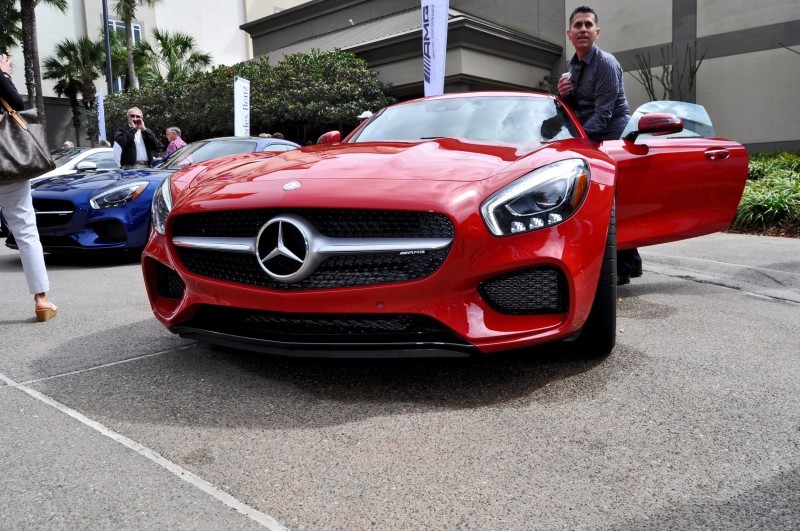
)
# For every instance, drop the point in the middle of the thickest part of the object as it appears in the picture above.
(170, 285)
(336, 271)
(322, 328)
(530, 291)
(332, 223)
(111, 230)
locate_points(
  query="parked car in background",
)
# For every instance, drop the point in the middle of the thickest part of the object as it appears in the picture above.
(71, 160)
(461, 224)
(110, 210)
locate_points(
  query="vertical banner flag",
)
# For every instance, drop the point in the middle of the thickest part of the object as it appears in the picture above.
(434, 44)
(241, 106)
(101, 115)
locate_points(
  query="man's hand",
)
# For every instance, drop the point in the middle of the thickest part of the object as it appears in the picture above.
(139, 123)
(564, 86)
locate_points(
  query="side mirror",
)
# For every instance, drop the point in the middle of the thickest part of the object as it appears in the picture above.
(331, 137)
(656, 124)
(86, 166)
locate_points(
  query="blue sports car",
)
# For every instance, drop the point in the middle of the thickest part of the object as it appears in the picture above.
(110, 210)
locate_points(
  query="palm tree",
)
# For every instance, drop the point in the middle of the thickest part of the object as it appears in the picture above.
(126, 11)
(30, 51)
(10, 30)
(75, 66)
(173, 56)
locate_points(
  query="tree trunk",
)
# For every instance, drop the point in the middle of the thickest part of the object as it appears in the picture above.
(30, 52)
(76, 118)
(131, 81)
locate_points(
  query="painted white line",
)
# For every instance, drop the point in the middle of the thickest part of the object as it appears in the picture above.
(105, 365)
(196, 481)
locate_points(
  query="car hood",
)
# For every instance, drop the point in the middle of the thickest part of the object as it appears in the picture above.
(94, 180)
(444, 159)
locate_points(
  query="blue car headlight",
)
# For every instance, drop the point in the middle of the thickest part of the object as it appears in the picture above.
(118, 195)
(161, 207)
(540, 199)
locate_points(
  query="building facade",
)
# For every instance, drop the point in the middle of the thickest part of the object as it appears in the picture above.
(747, 79)
(216, 31)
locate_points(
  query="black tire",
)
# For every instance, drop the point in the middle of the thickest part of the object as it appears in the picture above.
(599, 333)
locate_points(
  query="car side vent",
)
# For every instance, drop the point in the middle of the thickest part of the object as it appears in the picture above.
(530, 291)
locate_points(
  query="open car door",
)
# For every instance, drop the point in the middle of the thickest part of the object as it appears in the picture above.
(675, 179)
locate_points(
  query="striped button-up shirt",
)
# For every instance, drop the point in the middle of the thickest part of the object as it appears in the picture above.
(598, 95)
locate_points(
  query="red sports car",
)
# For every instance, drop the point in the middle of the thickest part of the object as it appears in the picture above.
(460, 224)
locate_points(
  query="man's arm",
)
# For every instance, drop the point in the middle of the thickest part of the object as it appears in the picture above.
(124, 136)
(608, 86)
(150, 140)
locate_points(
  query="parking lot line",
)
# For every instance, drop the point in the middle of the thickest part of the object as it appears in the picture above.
(187, 476)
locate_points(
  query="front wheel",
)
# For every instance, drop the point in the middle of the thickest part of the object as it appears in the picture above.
(599, 334)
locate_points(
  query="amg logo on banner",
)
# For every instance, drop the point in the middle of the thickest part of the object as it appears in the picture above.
(435, 14)
(426, 43)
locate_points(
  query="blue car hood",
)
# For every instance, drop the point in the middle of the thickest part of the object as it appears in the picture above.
(93, 181)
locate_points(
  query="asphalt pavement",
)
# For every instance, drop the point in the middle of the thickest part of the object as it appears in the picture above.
(109, 421)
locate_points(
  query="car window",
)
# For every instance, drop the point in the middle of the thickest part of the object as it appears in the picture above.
(202, 151)
(696, 121)
(104, 160)
(61, 156)
(277, 148)
(512, 119)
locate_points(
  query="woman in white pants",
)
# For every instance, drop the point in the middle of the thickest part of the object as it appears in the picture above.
(17, 208)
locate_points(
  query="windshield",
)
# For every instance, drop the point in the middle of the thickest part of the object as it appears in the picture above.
(202, 151)
(63, 155)
(512, 119)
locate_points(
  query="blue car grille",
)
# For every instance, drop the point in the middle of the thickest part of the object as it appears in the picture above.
(52, 212)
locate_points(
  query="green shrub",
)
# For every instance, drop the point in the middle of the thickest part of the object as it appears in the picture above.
(772, 164)
(772, 193)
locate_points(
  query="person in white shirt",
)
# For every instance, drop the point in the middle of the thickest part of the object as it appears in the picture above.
(136, 142)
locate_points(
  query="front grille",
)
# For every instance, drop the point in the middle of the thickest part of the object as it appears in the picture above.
(52, 212)
(530, 291)
(336, 271)
(169, 283)
(110, 230)
(322, 328)
(332, 223)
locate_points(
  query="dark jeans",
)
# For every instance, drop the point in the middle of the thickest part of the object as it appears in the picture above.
(627, 261)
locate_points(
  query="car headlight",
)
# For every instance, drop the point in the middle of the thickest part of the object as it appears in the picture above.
(118, 195)
(540, 199)
(162, 205)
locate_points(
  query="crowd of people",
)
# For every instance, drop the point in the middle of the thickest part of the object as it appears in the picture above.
(592, 87)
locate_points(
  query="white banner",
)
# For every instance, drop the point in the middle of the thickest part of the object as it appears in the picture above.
(241, 106)
(434, 44)
(101, 115)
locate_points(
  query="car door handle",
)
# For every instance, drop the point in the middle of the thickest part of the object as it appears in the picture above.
(717, 154)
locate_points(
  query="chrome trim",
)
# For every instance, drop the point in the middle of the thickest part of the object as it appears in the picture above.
(335, 246)
(235, 245)
(54, 212)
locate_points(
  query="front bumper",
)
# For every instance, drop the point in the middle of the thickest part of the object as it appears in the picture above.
(459, 315)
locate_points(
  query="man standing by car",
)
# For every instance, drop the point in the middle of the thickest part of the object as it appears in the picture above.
(593, 88)
(136, 142)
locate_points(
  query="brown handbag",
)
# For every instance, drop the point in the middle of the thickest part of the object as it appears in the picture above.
(23, 146)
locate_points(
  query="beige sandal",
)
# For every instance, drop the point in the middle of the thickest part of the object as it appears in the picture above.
(45, 314)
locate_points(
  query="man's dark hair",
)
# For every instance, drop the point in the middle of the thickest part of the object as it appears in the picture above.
(583, 9)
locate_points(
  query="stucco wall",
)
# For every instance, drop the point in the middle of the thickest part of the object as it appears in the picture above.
(721, 16)
(752, 98)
